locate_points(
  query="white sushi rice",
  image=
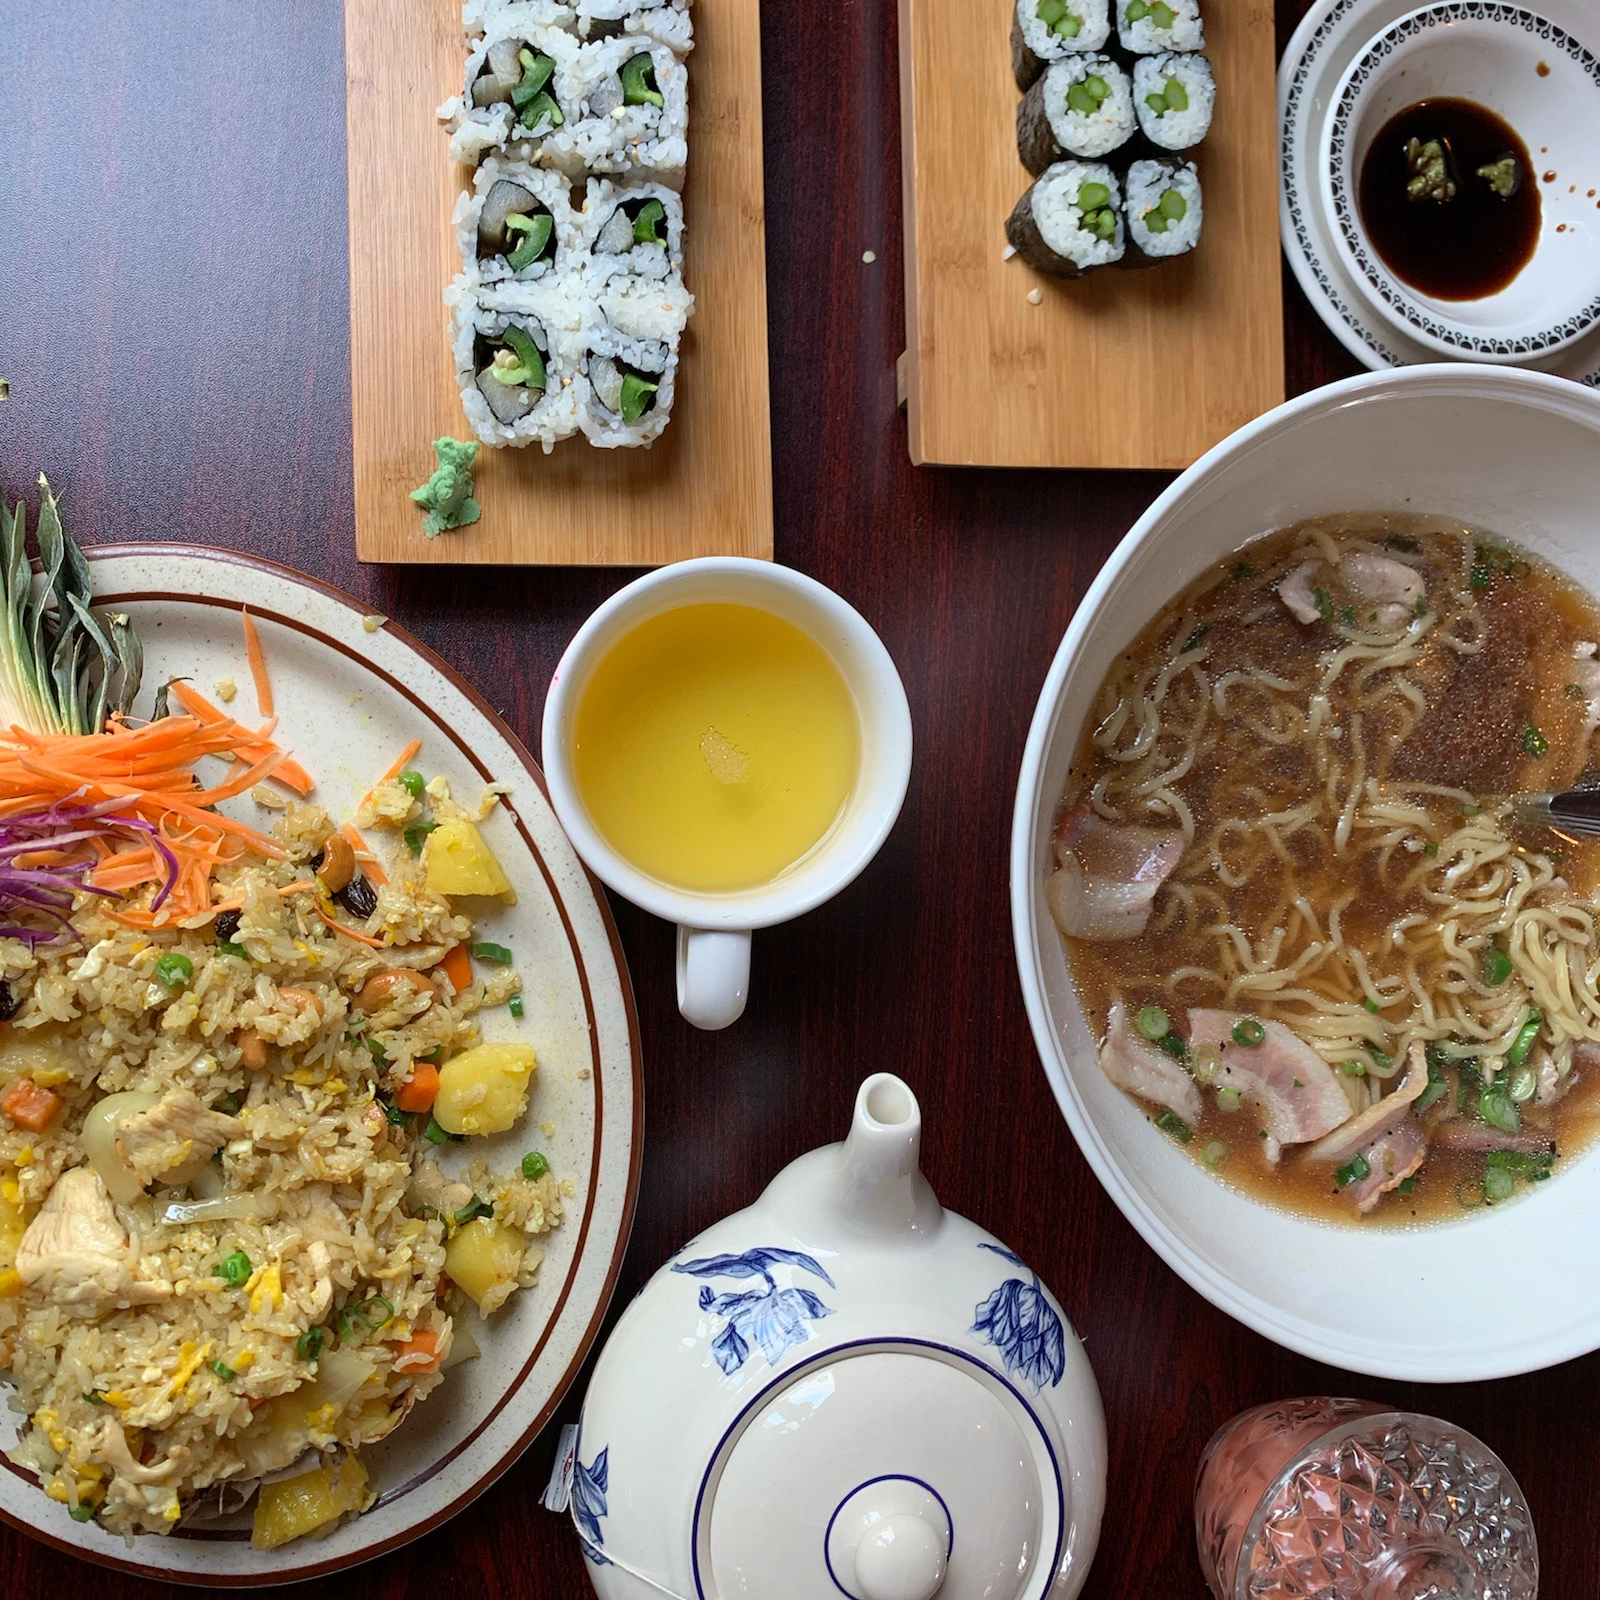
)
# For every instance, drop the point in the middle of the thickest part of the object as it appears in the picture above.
(605, 348)
(1094, 19)
(1094, 133)
(1148, 181)
(1143, 35)
(667, 22)
(480, 17)
(1174, 130)
(1060, 222)
(476, 130)
(603, 135)
(606, 230)
(550, 189)
(541, 309)
(647, 310)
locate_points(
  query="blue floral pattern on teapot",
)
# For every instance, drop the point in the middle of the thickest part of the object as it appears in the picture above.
(774, 1318)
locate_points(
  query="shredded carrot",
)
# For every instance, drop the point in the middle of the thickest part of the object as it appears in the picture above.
(422, 1090)
(351, 933)
(289, 773)
(457, 967)
(406, 757)
(31, 1107)
(364, 854)
(258, 663)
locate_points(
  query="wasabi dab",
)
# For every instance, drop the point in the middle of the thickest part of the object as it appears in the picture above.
(447, 495)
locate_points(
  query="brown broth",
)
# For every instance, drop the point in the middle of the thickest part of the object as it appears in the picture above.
(1471, 737)
(1471, 245)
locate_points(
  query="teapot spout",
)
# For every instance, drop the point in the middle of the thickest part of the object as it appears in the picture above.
(883, 1188)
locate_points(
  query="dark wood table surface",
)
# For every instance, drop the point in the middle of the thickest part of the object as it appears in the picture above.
(174, 323)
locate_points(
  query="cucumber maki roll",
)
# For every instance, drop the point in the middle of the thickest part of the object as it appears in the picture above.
(1082, 106)
(515, 369)
(516, 223)
(1070, 221)
(1147, 27)
(1163, 211)
(1173, 95)
(632, 231)
(513, 95)
(630, 113)
(665, 22)
(1043, 31)
(630, 384)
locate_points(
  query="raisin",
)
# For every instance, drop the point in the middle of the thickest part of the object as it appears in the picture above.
(226, 927)
(359, 898)
(9, 1004)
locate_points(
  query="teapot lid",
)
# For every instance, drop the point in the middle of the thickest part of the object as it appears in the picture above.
(887, 1471)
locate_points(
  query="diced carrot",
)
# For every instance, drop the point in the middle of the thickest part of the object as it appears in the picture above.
(420, 1353)
(258, 663)
(457, 967)
(31, 1107)
(423, 1089)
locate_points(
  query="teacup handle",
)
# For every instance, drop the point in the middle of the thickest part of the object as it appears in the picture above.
(713, 975)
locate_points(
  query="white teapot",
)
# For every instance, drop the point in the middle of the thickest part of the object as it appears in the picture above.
(843, 1390)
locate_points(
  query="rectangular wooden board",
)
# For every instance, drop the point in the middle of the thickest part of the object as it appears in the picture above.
(705, 487)
(1120, 369)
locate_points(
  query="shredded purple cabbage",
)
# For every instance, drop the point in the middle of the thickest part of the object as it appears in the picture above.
(36, 902)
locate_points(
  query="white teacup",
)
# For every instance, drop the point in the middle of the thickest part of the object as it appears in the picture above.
(714, 928)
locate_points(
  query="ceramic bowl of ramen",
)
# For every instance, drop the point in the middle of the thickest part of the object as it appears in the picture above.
(1324, 1019)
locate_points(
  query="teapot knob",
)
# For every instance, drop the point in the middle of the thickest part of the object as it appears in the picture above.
(902, 1558)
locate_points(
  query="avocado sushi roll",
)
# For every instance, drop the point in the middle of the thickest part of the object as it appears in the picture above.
(1082, 106)
(1043, 31)
(516, 368)
(516, 223)
(515, 83)
(1070, 221)
(1163, 210)
(1173, 96)
(629, 113)
(1148, 27)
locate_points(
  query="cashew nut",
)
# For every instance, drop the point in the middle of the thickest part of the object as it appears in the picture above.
(384, 988)
(338, 864)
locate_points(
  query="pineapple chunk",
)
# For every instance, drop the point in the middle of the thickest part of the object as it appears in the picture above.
(485, 1089)
(456, 860)
(294, 1507)
(484, 1258)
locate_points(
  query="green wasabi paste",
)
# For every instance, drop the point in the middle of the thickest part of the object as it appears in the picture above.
(447, 495)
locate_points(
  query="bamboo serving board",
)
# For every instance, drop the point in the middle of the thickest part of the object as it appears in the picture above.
(705, 487)
(1122, 369)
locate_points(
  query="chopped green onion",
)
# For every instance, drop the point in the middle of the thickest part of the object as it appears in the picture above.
(224, 1371)
(1406, 1185)
(380, 1056)
(1215, 1153)
(498, 954)
(1533, 741)
(1352, 1171)
(1495, 1108)
(1431, 848)
(412, 782)
(394, 1116)
(1379, 1059)
(1204, 628)
(94, 1397)
(1523, 1043)
(1471, 811)
(1171, 1124)
(514, 1005)
(235, 1269)
(226, 947)
(639, 82)
(1481, 571)
(1243, 569)
(416, 833)
(174, 969)
(1498, 1184)
(1154, 1023)
(1173, 1044)
(1324, 604)
(1248, 1032)
(433, 1133)
(1372, 1006)
(1522, 1084)
(1353, 1069)
(371, 1314)
(1228, 1099)
(227, 1104)
(1496, 966)
(1438, 1084)
(84, 1511)
(475, 1207)
(534, 1165)
(1574, 691)
(309, 1345)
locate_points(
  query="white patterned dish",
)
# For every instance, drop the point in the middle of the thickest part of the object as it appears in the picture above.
(842, 1390)
(1501, 1291)
(1546, 85)
(347, 702)
(1329, 39)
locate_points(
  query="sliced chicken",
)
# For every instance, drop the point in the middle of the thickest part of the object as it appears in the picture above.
(1553, 1084)
(1391, 585)
(76, 1254)
(1377, 1120)
(114, 1451)
(173, 1138)
(1296, 592)
(1390, 1161)
(1134, 1064)
(1461, 1134)
(1296, 1092)
(1105, 884)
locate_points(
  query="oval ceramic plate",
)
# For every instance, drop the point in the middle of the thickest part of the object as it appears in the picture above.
(1329, 39)
(348, 701)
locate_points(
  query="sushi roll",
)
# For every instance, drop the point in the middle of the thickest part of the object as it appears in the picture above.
(1082, 106)
(629, 387)
(1070, 221)
(480, 17)
(665, 22)
(1148, 27)
(629, 105)
(516, 78)
(1163, 211)
(519, 371)
(516, 223)
(647, 308)
(632, 231)
(1043, 31)
(1173, 95)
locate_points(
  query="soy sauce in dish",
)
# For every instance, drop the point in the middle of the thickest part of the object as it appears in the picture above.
(1451, 234)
